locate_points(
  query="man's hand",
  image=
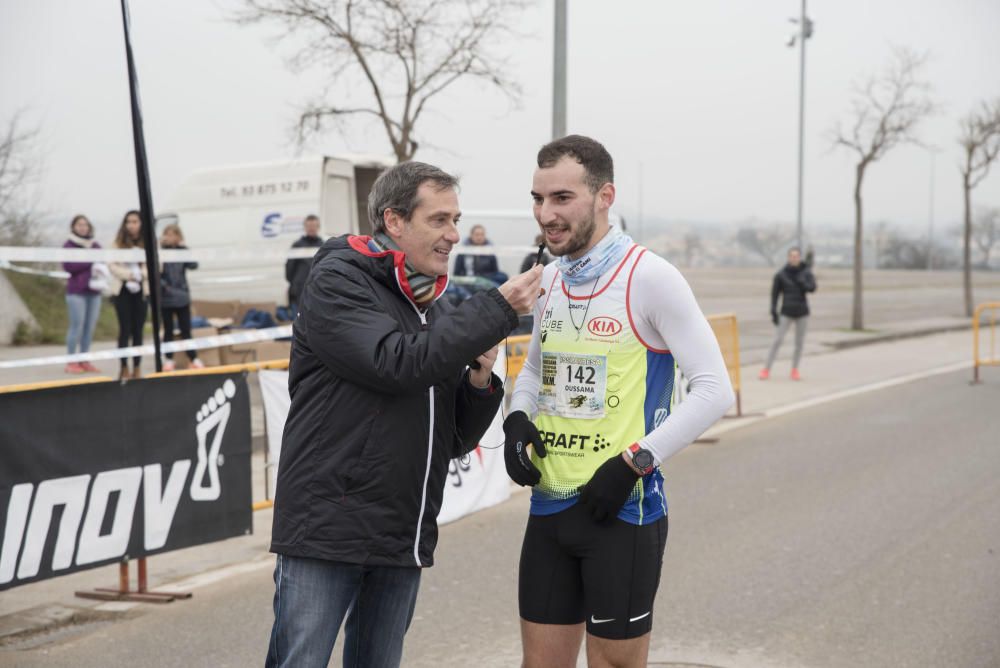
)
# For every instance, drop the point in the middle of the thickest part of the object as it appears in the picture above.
(522, 290)
(481, 377)
(608, 489)
(520, 432)
(774, 318)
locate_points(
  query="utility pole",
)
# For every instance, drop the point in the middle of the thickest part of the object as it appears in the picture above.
(805, 32)
(639, 236)
(559, 72)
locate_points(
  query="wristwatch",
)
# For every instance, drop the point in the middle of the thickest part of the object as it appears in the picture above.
(642, 459)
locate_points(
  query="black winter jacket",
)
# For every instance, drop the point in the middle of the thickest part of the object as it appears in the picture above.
(297, 270)
(482, 265)
(792, 283)
(174, 291)
(381, 404)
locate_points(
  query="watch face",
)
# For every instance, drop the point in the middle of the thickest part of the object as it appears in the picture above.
(643, 459)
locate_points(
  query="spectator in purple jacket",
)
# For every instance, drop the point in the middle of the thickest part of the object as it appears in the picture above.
(82, 302)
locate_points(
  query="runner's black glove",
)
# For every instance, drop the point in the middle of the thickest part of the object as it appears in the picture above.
(774, 318)
(608, 489)
(520, 431)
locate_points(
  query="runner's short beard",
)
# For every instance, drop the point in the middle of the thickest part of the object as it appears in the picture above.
(581, 236)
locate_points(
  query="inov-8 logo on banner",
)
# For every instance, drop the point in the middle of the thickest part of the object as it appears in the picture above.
(115, 471)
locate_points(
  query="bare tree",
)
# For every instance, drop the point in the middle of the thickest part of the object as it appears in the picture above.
(899, 252)
(18, 170)
(980, 141)
(765, 242)
(885, 112)
(986, 232)
(402, 52)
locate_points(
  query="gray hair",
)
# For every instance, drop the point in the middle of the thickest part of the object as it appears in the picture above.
(396, 189)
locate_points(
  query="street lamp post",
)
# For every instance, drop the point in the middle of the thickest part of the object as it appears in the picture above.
(804, 33)
(559, 72)
(930, 214)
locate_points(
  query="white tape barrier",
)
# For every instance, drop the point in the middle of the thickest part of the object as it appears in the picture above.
(201, 343)
(4, 264)
(54, 254)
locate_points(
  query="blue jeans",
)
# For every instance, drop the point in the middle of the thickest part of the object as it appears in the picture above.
(83, 312)
(311, 597)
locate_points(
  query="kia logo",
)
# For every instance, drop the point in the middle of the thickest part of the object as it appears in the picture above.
(604, 326)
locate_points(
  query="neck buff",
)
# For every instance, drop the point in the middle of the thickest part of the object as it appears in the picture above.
(85, 242)
(608, 251)
(422, 285)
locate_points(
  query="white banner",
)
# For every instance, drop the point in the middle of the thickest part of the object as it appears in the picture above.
(274, 392)
(474, 482)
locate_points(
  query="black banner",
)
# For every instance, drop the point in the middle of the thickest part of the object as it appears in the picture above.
(91, 474)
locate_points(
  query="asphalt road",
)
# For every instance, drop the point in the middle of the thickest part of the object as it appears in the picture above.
(863, 532)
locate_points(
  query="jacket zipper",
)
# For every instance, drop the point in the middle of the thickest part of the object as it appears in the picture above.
(430, 448)
(430, 435)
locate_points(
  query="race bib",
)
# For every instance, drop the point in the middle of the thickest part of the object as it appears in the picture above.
(573, 385)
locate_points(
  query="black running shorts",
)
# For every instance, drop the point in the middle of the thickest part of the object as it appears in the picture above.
(575, 570)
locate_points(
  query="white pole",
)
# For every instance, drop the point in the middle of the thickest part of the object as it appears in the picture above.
(559, 72)
(803, 35)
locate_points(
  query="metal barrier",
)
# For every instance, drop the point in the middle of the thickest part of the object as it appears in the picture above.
(727, 333)
(977, 316)
(516, 355)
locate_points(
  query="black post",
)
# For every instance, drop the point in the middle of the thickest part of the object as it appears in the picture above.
(145, 193)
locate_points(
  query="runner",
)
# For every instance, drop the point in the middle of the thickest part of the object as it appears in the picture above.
(599, 376)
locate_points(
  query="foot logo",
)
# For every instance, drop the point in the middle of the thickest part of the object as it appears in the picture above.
(213, 414)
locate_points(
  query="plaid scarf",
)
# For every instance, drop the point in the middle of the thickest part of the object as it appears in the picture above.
(422, 285)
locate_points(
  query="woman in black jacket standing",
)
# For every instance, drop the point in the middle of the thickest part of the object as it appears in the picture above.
(792, 283)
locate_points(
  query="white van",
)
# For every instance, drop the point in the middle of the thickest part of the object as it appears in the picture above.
(257, 210)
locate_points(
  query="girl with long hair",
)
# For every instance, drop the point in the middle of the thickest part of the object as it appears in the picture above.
(130, 292)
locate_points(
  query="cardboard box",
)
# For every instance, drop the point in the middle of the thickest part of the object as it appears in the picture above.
(259, 351)
(208, 356)
(268, 351)
(237, 354)
(214, 309)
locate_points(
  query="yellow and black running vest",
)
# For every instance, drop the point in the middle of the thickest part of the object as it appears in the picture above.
(602, 389)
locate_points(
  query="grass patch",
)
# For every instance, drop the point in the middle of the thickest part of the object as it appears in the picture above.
(45, 297)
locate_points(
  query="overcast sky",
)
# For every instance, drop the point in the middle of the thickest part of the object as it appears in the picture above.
(703, 95)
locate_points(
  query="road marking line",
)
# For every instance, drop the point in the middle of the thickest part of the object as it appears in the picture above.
(777, 411)
(880, 385)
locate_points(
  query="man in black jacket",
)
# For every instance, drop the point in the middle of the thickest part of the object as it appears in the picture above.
(793, 282)
(381, 402)
(297, 269)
